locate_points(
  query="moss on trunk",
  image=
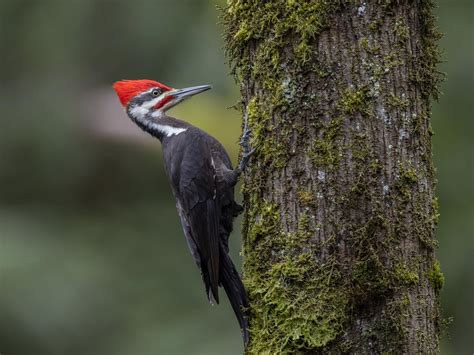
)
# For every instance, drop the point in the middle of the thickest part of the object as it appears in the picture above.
(340, 206)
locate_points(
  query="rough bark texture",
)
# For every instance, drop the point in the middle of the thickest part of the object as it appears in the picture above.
(340, 205)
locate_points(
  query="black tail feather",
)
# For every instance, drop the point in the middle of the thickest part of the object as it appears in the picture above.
(235, 291)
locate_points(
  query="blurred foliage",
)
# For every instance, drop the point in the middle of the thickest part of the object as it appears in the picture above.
(92, 257)
(453, 154)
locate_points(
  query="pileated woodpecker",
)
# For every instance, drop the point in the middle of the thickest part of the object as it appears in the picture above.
(202, 180)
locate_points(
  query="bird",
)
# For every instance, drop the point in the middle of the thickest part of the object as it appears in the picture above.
(202, 181)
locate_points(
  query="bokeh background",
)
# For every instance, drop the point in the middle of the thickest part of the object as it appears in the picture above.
(92, 257)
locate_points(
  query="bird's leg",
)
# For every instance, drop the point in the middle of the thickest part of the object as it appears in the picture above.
(247, 150)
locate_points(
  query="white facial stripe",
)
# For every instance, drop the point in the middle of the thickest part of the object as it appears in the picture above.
(151, 103)
(139, 112)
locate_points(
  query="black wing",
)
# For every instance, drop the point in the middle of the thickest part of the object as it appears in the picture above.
(199, 212)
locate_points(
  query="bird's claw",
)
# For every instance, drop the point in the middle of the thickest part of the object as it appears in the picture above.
(245, 140)
(246, 133)
(246, 158)
(247, 150)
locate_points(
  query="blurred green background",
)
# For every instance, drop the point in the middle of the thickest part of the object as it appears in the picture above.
(92, 257)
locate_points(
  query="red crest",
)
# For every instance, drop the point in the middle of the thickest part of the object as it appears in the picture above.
(128, 89)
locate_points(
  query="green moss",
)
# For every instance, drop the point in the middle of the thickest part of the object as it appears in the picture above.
(360, 147)
(304, 232)
(423, 225)
(257, 120)
(279, 273)
(371, 48)
(394, 325)
(409, 176)
(266, 222)
(265, 25)
(325, 154)
(354, 100)
(405, 276)
(306, 198)
(364, 42)
(270, 22)
(326, 151)
(436, 214)
(402, 31)
(391, 60)
(406, 182)
(436, 277)
(287, 319)
(425, 73)
(374, 25)
(272, 152)
(396, 102)
(370, 277)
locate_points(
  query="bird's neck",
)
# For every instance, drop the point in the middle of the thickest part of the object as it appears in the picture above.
(158, 125)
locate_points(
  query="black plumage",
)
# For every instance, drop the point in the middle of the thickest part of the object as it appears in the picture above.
(203, 179)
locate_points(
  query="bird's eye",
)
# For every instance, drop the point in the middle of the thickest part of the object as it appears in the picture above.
(155, 92)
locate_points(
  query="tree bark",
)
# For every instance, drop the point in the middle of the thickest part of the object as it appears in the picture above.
(339, 195)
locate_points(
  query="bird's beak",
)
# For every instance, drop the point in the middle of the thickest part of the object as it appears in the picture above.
(181, 94)
(175, 96)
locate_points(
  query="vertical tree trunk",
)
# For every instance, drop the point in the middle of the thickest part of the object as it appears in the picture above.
(340, 205)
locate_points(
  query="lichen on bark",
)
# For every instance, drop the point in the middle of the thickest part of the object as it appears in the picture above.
(340, 207)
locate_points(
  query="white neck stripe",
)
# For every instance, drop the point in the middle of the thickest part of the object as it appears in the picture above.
(139, 113)
(168, 131)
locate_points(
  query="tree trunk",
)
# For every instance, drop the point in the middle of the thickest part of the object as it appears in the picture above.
(340, 205)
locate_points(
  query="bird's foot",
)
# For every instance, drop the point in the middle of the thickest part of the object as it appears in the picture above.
(247, 150)
(246, 155)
